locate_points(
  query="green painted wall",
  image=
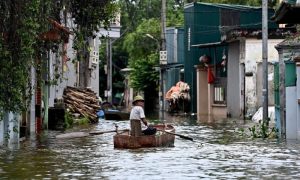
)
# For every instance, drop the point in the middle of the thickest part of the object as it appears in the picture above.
(290, 74)
(201, 26)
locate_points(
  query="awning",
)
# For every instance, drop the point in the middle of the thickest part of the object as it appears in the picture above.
(167, 66)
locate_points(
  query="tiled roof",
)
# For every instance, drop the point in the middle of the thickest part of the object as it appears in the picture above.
(287, 13)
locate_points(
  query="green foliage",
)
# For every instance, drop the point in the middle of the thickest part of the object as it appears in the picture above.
(143, 53)
(133, 12)
(69, 120)
(175, 16)
(143, 74)
(89, 15)
(82, 121)
(261, 130)
(20, 24)
(137, 44)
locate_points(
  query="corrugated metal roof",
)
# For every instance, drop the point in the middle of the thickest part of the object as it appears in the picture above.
(225, 6)
(206, 45)
(233, 6)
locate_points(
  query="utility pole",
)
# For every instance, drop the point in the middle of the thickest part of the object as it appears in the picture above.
(163, 25)
(109, 69)
(265, 58)
(162, 48)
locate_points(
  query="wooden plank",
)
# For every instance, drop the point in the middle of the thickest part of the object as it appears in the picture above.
(135, 126)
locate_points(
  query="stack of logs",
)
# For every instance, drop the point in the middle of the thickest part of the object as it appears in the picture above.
(82, 101)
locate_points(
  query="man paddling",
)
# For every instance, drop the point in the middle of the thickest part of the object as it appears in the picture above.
(137, 115)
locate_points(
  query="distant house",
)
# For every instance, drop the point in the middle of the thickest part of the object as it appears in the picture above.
(228, 84)
(173, 70)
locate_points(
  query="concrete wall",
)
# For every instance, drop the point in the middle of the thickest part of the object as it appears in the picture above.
(288, 114)
(219, 111)
(202, 92)
(291, 112)
(94, 44)
(233, 80)
(9, 130)
(297, 99)
(2, 132)
(69, 71)
(253, 84)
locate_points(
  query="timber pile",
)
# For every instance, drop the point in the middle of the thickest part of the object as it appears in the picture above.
(82, 101)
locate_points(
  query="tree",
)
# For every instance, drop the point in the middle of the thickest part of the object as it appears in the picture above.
(21, 23)
(89, 16)
(143, 57)
(137, 47)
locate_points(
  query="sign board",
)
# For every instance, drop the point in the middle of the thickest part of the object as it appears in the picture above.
(163, 57)
(112, 32)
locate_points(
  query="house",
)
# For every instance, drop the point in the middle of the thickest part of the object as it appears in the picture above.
(223, 53)
(48, 87)
(287, 94)
(16, 125)
(72, 74)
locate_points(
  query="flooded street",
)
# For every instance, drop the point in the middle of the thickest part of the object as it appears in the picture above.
(217, 152)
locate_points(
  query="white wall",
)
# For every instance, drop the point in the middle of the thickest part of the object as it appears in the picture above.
(94, 44)
(291, 112)
(253, 55)
(10, 125)
(69, 76)
(70, 70)
(298, 105)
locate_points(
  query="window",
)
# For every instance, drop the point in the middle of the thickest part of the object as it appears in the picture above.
(219, 91)
(219, 95)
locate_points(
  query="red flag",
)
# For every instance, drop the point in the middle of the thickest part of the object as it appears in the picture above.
(210, 76)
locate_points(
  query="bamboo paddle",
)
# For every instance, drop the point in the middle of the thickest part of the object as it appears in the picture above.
(72, 135)
(110, 131)
(85, 134)
(180, 135)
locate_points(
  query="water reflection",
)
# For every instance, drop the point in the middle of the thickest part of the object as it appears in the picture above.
(216, 153)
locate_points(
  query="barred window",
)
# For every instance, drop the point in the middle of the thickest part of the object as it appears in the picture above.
(219, 95)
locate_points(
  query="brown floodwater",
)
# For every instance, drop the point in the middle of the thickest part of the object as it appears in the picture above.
(217, 152)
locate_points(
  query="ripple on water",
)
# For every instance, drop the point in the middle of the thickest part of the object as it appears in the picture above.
(215, 153)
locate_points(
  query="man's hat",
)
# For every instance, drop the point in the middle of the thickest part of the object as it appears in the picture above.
(138, 98)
